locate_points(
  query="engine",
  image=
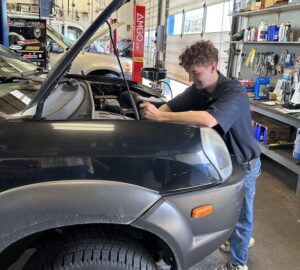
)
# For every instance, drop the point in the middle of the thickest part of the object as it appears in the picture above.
(111, 98)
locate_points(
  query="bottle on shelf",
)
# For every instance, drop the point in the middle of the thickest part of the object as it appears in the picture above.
(247, 34)
(265, 30)
(287, 31)
(253, 34)
(262, 29)
(270, 32)
(237, 5)
(281, 32)
(296, 152)
(275, 32)
(248, 5)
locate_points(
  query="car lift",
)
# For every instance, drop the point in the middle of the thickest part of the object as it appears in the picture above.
(3, 24)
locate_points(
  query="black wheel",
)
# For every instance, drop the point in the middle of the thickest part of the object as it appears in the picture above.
(90, 252)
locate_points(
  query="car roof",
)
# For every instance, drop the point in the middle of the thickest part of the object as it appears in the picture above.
(55, 22)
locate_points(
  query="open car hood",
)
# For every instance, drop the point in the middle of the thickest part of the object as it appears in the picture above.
(65, 61)
(103, 32)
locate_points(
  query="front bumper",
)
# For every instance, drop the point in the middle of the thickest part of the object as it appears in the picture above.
(191, 240)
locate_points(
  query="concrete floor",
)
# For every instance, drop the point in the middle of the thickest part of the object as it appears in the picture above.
(276, 226)
(276, 223)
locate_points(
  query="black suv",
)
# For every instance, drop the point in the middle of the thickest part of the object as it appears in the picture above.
(87, 185)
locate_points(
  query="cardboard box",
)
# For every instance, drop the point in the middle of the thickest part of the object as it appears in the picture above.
(270, 3)
(255, 5)
(268, 131)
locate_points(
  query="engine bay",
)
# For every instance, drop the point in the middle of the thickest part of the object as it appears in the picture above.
(111, 97)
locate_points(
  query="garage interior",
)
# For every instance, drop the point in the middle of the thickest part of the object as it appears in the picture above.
(258, 44)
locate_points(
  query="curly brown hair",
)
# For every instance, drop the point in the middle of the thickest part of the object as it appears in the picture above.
(200, 53)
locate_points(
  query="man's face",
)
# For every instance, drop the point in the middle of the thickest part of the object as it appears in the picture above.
(203, 75)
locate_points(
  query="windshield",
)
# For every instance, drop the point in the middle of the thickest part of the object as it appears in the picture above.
(15, 95)
(12, 64)
(68, 42)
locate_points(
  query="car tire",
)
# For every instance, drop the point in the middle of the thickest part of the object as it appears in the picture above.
(90, 253)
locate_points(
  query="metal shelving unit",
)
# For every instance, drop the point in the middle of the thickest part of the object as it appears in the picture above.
(271, 112)
(270, 10)
(282, 156)
(266, 42)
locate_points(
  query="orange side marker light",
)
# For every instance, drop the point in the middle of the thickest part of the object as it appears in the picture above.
(202, 211)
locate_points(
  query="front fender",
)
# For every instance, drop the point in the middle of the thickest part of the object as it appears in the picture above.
(30, 209)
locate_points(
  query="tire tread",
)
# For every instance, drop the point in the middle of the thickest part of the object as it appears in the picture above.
(76, 249)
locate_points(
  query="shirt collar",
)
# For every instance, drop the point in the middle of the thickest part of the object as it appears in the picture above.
(218, 90)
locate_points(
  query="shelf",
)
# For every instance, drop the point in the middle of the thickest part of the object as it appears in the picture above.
(278, 9)
(282, 156)
(270, 111)
(285, 158)
(266, 42)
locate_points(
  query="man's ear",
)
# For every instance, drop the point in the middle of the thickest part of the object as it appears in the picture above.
(214, 67)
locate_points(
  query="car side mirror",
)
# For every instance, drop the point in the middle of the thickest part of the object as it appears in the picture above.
(55, 48)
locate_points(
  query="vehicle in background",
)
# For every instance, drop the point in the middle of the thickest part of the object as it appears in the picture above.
(127, 51)
(86, 62)
(69, 29)
(73, 31)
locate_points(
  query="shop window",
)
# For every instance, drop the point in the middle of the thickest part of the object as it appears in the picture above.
(175, 24)
(193, 21)
(217, 19)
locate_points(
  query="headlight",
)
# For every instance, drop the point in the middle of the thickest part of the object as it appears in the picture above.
(216, 151)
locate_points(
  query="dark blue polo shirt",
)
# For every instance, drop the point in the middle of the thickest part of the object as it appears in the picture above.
(229, 105)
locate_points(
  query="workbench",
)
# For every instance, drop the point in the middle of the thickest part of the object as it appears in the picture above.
(282, 156)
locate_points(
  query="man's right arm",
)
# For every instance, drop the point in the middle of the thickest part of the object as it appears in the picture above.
(165, 108)
(197, 118)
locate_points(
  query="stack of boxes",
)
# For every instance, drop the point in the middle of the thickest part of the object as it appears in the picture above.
(271, 3)
(269, 131)
(260, 4)
(249, 86)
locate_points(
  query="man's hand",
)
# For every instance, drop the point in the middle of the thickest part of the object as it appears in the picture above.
(150, 112)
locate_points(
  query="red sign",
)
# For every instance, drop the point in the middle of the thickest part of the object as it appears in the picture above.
(138, 43)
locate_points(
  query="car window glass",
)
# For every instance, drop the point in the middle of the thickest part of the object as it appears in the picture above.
(74, 33)
(62, 38)
(52, 46)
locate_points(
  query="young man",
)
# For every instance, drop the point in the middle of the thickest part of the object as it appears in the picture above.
(221, 103)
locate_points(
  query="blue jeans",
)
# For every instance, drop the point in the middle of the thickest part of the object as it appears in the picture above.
(242, 232)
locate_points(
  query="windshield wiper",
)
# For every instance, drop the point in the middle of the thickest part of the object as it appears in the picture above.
(34, 72)
(7, 79)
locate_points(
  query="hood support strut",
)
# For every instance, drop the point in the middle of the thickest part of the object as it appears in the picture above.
(63, 64)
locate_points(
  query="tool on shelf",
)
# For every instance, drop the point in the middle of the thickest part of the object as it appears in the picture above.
(261, 87)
